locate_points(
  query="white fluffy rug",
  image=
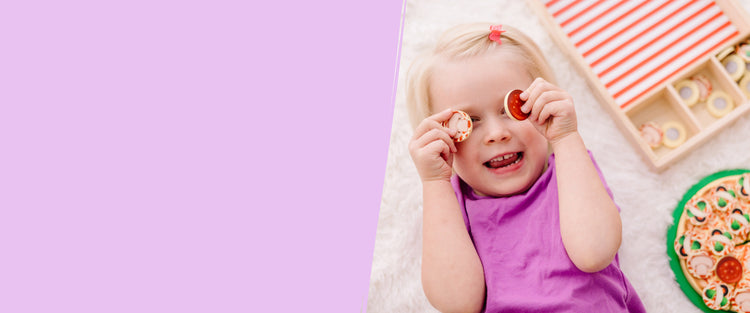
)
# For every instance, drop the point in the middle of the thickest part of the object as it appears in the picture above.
(646, 198)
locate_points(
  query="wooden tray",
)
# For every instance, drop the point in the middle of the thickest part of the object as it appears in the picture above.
(634, 53)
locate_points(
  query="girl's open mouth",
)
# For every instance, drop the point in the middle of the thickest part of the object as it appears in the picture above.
(504, 160)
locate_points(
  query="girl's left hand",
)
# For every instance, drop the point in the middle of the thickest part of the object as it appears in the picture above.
(552, 110)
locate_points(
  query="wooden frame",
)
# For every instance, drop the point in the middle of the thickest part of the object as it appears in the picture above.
(662, 102)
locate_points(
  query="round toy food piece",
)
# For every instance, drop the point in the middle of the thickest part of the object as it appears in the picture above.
(738, 222)
(741, 299)
(745, 84)
(698, 210)
(513, 105)
(735, 66)
(688, 91)
(719, 104)
(461, 122)
(704, 86)
(729, 269)
(724, 53)
(743, 50)
(720, 242)
(724, 198)
(689, 244)
(652, 134)
(674, 134)
(716, 296)
(700, 265)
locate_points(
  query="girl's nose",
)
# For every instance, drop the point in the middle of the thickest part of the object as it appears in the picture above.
(497, 131)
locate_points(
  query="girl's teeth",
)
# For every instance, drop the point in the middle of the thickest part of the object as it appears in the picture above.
(504, 157)
(503, 161)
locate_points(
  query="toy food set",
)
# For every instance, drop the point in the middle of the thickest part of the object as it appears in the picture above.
(708, 243)
(671, 73)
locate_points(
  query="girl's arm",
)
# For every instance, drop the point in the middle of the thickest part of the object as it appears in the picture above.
(589, 221)
(590, 224)
(452, 275)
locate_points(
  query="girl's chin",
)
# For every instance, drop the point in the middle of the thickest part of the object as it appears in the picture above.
(506, 188)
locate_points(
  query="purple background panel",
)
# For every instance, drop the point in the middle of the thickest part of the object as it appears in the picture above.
(192, 156)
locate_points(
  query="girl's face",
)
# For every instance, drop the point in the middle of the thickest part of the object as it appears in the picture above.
(501, 157)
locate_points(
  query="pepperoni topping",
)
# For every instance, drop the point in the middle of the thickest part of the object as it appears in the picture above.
(513, 105)
(729, 270)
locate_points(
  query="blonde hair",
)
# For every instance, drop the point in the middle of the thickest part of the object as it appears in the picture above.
(466, 41)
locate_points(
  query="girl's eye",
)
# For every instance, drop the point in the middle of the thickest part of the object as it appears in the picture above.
(502, 113)
(474, 119)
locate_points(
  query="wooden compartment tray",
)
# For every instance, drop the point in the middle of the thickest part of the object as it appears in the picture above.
(669, 65)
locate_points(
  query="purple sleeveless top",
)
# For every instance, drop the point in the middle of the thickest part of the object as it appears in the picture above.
(526, 268)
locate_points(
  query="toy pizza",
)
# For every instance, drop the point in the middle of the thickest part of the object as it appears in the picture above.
(708, 243)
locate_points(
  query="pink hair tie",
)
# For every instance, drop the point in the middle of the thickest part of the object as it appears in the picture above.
(495, 32)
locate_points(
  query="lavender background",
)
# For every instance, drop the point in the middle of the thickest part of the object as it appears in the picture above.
(192, 156)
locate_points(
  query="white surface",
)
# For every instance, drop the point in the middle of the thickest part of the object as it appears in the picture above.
(646, 198)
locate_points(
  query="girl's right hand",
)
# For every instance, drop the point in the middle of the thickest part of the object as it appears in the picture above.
(432, 148)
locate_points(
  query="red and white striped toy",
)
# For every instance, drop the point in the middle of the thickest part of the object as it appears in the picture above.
(634, 46)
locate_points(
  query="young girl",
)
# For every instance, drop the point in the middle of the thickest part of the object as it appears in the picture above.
(527, 223)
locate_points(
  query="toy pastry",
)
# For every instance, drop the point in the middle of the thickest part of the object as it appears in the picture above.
(674, 134)
(688, 91)
(513, 105)
(719, 104)
(704, 86)
(735, 66)
(743, 50)
(724, 53)
(652, 134)
(461, 122)
(745, 83)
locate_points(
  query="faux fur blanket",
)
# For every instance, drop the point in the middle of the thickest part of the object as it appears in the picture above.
(646, 198)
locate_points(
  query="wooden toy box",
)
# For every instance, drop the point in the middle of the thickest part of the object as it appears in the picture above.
(644, 59)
